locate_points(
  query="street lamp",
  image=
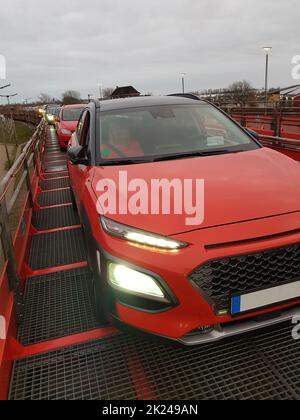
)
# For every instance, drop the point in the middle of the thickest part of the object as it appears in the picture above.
(183, 81)
(100, 86)
(8, 97)
(267, 51)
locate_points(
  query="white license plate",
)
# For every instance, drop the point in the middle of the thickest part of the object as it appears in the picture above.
(264, 298)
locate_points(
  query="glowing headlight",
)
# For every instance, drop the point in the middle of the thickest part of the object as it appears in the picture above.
(50, 117)
(66, 132)
(140, 237)
(126, 279)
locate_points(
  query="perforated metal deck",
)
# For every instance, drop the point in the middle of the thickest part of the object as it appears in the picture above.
(54, 218)
(56, 175)
(57, 249)
(54, 198)
(55, 184)
(122, 367)
(58, 305)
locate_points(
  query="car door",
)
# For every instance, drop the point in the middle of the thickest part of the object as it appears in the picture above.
(80, 173)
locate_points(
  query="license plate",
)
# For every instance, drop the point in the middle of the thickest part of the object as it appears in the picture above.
(265, 298)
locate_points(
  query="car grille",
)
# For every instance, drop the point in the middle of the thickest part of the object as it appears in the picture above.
(220, 279)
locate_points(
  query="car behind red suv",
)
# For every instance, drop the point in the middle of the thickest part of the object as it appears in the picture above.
(67, 122)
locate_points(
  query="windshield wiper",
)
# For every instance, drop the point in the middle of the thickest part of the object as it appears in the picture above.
(194, 154)
(118, 162)
(136, 161)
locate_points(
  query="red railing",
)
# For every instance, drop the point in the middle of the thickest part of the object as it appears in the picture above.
(17, 191)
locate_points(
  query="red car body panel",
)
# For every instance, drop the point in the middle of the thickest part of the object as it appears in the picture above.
(251, 199)
(238, 187)
(66, 125)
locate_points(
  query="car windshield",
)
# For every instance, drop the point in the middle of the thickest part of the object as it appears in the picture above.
(52, 110)
(71, 114)
(169, 131)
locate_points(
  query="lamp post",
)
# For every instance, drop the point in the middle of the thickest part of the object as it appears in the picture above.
(100, 86)
(267, 51)
(8, 97)
(183, 82)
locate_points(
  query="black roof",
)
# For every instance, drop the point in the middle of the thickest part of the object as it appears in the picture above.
(114, 104)
(125, 91)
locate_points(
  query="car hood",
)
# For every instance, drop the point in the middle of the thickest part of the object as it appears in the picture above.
(237, 187)
(68, 125)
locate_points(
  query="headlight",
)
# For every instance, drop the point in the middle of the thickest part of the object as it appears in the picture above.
(50, 117)
(126, 279)
(140, 237)
(66, 132)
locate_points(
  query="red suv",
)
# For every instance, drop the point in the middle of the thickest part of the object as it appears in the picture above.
(67, 123)
(192, 226)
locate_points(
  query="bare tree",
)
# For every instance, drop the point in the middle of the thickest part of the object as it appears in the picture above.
(241, 92)
(44, 98)
(71, 97)
(107, 92)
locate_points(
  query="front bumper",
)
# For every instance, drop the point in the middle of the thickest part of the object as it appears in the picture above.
(221, 332)
(194, 310)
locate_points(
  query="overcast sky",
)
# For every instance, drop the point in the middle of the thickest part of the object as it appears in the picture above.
(51, 46)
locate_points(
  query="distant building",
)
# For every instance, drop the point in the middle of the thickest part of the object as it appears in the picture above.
(125, 92)
(296, 100)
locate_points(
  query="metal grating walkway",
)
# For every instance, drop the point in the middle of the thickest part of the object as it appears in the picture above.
(54, 218)
(57, 305)
(262, 366)
(55, 184)
(56, 175)
(54, 198)
(56, 249)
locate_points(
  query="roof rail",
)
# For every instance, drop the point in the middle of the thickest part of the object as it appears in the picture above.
(187, 95)
(192, 96)
(96, 102)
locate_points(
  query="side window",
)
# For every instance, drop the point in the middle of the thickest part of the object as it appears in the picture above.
(80, 124)
(85, 129)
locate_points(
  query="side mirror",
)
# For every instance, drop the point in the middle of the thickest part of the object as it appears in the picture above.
(253, 133)
(77, 155)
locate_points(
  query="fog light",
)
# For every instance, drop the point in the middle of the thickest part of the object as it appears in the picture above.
(128, 280)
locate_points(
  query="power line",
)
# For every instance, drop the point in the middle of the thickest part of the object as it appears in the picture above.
(6, 86)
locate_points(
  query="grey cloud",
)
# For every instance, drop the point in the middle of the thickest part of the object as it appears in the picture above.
(53, 46)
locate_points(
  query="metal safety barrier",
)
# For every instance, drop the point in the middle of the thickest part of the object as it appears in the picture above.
(16, 196)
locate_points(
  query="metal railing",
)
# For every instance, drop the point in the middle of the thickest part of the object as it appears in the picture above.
(19, 114)
(17, 195)
(292, 145)
(283, 123)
